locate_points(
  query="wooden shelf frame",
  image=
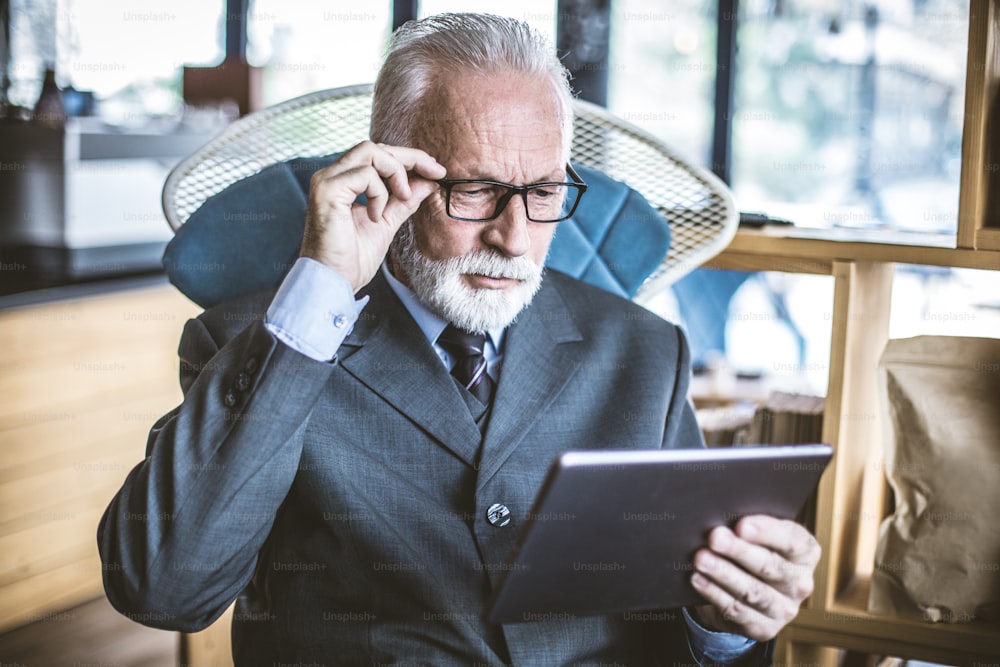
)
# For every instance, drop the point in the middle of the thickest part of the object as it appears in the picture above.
(814, 251)
(979, 203)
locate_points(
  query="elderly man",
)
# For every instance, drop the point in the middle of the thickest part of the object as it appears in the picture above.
(345, 443)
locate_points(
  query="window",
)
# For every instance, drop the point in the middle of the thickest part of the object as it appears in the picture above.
(131, 55)
(943, 301)
(305, 46)
(123, 51)
(850, 115)
(845, 115)
(662, 70)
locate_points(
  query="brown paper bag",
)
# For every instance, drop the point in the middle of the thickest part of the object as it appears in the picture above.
(938, 556)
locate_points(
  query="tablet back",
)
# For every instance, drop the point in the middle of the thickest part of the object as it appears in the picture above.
(615, 531)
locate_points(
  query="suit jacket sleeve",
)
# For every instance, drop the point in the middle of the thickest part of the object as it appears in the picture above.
(180, 539)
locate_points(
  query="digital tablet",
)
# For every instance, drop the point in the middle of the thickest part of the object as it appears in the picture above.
(615, 531)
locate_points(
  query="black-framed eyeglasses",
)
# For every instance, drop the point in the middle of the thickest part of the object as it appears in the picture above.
(481, 201)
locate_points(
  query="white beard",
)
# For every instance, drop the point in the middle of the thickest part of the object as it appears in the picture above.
(439, 284)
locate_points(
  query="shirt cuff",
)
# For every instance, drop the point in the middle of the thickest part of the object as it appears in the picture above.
(715, 647)
(314, 310)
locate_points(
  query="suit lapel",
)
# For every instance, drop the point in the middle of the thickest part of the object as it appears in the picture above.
(388, 352)
(538, 361)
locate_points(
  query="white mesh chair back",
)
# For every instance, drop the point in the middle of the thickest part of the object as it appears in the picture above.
(698, 206)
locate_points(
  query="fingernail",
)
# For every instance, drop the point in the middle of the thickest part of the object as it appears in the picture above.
(698, 580)
(723, 538)
(705, 561)
(748, 530)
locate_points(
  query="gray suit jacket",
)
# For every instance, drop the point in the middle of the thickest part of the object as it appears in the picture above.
(344, 504)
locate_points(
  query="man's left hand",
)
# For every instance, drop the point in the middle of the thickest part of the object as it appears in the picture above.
(755, 576)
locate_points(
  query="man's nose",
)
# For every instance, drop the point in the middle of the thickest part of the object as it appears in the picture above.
(508, 233)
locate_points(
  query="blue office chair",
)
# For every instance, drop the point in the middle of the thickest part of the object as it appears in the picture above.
(238, 204)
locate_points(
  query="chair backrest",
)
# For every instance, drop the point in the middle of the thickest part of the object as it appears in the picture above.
(696, 205)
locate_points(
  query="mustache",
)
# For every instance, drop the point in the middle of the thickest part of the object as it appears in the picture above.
(494, 265)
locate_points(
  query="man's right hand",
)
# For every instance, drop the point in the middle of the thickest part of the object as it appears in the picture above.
(353, 239)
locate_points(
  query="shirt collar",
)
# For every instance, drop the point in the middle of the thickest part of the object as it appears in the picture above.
(429, 322)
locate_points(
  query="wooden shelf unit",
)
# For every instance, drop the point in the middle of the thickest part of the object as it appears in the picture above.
(853, 492)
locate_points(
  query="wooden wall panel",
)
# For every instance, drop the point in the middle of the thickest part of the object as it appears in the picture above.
(81, 382)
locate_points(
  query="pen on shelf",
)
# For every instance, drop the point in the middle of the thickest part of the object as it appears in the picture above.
(754, 219)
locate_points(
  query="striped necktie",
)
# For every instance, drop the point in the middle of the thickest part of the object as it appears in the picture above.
(470, 364)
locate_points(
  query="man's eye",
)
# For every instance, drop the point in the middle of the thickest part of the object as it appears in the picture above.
(552, 195)
(472, 191)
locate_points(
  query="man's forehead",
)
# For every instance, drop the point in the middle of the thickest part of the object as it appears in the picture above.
(482, 112)
(464, 96)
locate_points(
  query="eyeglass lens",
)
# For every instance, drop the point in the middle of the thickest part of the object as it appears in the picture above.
(479, 201)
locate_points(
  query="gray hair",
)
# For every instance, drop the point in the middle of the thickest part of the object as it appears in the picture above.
(421, 51)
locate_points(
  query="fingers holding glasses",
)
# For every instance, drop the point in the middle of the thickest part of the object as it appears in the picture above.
(352, 238)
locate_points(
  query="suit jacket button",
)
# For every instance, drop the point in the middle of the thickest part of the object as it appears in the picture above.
(498, 515)
(251, 365)
(230, 398)
(242, 381)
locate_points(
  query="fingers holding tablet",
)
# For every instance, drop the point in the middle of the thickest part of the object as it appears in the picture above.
(755, 578)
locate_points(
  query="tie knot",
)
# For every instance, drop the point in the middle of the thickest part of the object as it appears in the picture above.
(462, 343)
(470, 362)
